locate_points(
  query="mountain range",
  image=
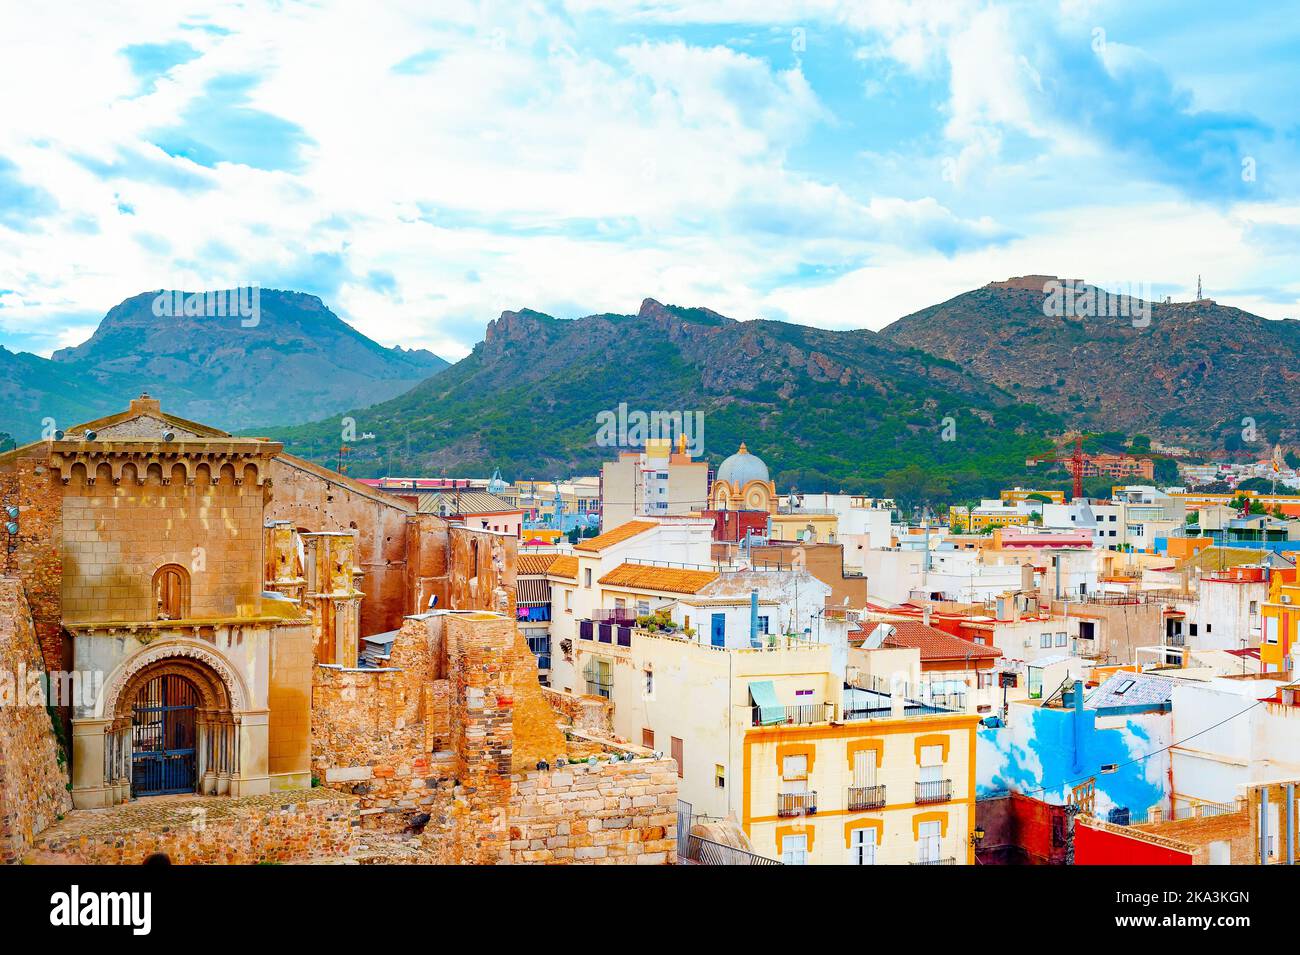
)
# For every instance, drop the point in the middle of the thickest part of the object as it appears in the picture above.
(947, 401)
(299, 362)
(1194, 374)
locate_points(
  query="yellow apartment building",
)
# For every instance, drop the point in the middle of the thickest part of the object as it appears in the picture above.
(1281, 620)
(816, 773)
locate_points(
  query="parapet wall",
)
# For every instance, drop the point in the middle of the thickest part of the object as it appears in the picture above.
(33, 777)
(612, 813)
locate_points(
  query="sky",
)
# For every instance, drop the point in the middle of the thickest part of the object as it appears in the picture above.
(424, 166)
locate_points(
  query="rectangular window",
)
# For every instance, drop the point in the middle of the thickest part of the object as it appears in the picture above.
(762, 625)
(794, 768)
(677, 755)
(1060, 639)
(1045, 640)
(929, 841)
(862, 849)
(648, 738)
(642, 608)
(931, 764)
(586, 576)
(865, 765)
(794, 850)
(648, 684)
(719, 776)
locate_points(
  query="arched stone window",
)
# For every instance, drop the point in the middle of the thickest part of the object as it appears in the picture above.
(171, 592)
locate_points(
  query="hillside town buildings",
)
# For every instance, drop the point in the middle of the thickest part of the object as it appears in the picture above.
(744, 672)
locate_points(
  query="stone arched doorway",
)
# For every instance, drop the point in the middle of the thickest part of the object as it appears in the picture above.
(163, 737)
(175, 728)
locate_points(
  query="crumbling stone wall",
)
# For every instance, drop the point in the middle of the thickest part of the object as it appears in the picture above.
(33, 778)
(204, 830)
(446, 740)
(30, 484)
(593, 715)
(620, 813)
(309, 498)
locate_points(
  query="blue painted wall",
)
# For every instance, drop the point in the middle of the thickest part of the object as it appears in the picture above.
(1036, 754)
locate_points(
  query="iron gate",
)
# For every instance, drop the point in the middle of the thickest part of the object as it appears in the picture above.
(162, 737)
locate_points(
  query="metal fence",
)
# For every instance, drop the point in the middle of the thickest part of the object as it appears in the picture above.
(706, 852)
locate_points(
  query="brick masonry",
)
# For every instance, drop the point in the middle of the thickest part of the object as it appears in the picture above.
(447, 740)
(622, 813)
(33, 777)
(196, 830)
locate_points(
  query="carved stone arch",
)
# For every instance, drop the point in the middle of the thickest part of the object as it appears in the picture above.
(202, 474)
(246, 478)
(129, 472)
(104, 472)
(154, 473)
(77, 474)
(178, 472)
(227, 474)
(112, 699)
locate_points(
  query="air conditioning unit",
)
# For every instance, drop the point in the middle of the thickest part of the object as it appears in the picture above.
(1029, 641)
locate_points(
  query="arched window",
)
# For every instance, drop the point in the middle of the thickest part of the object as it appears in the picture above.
(171, 592)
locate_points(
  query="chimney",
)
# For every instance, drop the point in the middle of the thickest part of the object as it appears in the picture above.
(925, 615)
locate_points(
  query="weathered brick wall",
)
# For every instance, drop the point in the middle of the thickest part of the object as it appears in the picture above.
(33, 782)
(371, 738)
(28, 483)
(587, 714)
(307, 497)
(622, 813)
(245, 830)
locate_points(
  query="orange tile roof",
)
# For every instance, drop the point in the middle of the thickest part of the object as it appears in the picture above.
(933, 643)
(534, 564)
(615, 536)
(563, 567)
(671, 580)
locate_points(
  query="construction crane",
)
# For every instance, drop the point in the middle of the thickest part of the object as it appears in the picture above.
(1074, 462)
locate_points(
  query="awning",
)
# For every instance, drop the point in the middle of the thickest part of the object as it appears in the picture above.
(770, 712)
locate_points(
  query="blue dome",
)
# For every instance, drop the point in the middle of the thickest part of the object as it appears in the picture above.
(742, 467)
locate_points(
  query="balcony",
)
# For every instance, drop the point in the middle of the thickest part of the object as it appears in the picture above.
(866, 797)
(949, 860)
(806, 714)
(934, 790)
(608, 633)
(622, 616)
(796, 804)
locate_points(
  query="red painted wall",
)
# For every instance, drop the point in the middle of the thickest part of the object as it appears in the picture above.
(1102, 847)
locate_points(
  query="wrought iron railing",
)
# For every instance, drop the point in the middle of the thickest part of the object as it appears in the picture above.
(619, 615)
(796, 804)
(801, 715)
(707, 852)
(949, 860)
(866, 797)
(934, 790)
